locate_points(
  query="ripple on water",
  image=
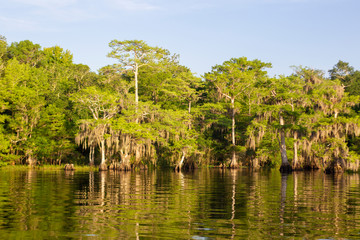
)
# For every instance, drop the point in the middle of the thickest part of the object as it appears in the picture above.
(206, 204)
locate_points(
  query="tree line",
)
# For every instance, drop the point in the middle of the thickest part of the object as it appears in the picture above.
(147, 110)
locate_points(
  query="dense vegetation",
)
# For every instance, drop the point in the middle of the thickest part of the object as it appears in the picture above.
(148, 110)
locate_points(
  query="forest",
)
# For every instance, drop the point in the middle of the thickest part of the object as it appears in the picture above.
(146, 110)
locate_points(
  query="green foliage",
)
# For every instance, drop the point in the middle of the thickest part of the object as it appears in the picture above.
(36, 110)
(131, 52)
(52, 110)
(353, 83)
(3, 50)
(26, 52)
(341, 70)
(56, 55)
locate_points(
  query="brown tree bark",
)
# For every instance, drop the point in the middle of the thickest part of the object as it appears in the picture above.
(296, 164)
(103, 166)
(233, 163)
(285, 166)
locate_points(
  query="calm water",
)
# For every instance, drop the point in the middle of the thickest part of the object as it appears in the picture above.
(205, 204)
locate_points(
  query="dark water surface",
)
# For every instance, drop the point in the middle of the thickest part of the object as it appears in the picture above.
(205, 204)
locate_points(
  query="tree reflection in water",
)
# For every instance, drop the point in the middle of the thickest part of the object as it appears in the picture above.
(206, 203)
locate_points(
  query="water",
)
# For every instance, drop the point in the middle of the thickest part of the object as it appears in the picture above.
(205, 204)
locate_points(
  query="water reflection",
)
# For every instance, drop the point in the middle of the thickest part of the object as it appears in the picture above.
(205, 204)
(284, 177)
(233, 201)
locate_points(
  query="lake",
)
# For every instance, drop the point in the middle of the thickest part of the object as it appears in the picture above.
(204, 204)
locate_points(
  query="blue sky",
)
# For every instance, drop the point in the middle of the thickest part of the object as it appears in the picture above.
(314, 33)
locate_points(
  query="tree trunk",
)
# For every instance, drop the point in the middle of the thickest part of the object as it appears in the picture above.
(285, 166)
(30, 160)
(233, 121)
(138, 155)
(136, 72)
(103, 151)
(125, 160)
(103, 166)
(181, 163)
(91, 156)
(69, 167)
(233, 163)
(295, 163)
(189, 109)
(255, 164)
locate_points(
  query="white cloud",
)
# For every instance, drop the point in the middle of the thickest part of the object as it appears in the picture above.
(76, 10)
(48, 3)
(133, 5)
(18, 24)
(63, 10)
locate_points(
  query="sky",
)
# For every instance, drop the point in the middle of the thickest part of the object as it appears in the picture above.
(312, 33)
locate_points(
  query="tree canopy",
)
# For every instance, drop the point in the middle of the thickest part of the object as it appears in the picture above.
(147, 110)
